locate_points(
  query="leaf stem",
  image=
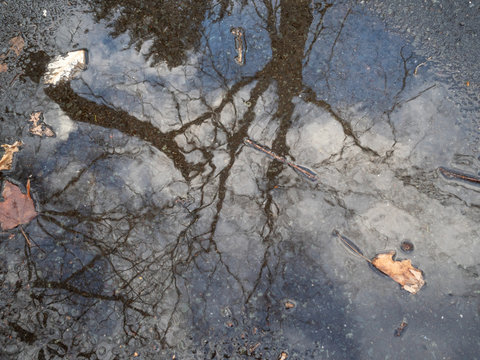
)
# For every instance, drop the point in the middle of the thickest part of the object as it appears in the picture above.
(29, 241)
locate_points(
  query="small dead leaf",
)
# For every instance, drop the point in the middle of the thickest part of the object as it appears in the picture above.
(16, 207)
(401, 328)
(402, 272)
(3, 67)
(38, 127)
(289, 304)
(16, 44)
(7, 158)
(283, 356)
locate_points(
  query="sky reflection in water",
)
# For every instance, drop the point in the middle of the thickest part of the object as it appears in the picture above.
(165, 235)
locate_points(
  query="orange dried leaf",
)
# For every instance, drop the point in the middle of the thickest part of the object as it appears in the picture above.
(7, 158)
(402, 272)
(289, 304)
(3, 67)
(16, 207)
(28, 189)
(16, 44)
(38, 127)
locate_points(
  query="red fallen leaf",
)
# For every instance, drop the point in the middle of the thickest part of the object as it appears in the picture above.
(16, 208)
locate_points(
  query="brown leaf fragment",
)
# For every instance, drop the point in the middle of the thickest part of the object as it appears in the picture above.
(16, 208)
(28, 189)
(3, 67)
(401, 328)
(38, 127)
(283, 356)
(7, 158)
(289, 304)
(402, 272)
(16, 44)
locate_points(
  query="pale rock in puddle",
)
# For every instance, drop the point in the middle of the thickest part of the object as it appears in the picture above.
(66, 67)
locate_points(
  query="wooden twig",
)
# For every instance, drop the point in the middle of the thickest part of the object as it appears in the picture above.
(29, 241)
(351, 246)
(421, 64)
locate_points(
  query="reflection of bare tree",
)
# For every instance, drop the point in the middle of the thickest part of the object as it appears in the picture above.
(151, 266)
(172, 25)
(147, 290)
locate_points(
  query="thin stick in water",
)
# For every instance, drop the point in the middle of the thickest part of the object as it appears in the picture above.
(350, 245)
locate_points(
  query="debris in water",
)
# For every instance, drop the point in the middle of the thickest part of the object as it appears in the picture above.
(299, 169)
(38, 127)
(401, 328)
(410, 278)
(402, 272)
(350, 245)
(16, 44)
(240, 44)
(66, 67)
(451, 174)
(289, 304)
(7, 158)
(406, 246)
(16, 208)
(421, 64)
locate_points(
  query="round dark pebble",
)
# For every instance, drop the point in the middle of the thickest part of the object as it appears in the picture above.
(406, 246)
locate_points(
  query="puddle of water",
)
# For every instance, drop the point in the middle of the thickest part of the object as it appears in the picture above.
(162, 234)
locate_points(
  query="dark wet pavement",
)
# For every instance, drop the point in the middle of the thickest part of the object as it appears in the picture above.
(162, 236)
